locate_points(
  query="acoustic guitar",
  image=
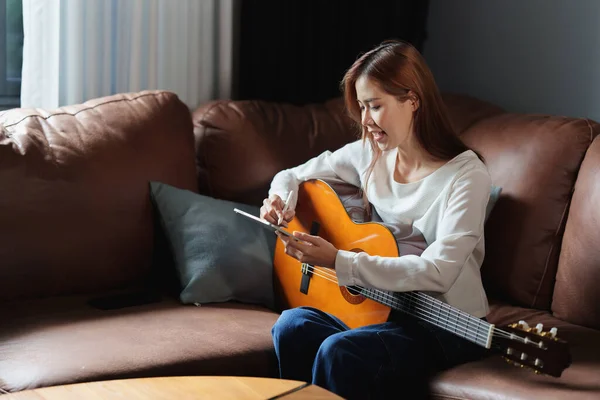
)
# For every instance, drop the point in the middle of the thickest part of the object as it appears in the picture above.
(320, 211)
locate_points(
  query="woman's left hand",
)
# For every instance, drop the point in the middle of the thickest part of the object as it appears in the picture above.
(313, 250)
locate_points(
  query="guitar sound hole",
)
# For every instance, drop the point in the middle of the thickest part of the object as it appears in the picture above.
(352, 295)
(353, 290)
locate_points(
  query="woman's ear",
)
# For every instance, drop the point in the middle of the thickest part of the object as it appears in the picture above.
(414, 100)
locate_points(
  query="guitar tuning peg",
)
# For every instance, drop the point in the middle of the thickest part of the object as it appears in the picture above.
(523, 325)
(510, 362)
(553, 332)
(539, 328)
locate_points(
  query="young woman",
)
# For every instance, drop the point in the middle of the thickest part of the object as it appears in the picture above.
(414, 171)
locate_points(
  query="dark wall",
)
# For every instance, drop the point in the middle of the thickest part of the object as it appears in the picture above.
(297, 51)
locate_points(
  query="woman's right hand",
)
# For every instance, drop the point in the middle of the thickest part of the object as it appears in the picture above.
(272, 209)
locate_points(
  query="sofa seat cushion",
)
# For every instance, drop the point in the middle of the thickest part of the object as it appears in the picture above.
(493, 378)
(63, 340)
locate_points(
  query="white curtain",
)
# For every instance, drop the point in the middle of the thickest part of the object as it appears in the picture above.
(76, 50)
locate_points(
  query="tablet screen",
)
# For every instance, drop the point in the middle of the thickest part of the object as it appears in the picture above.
(265, 223)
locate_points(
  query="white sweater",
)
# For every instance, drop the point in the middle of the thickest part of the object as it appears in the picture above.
(447, 207)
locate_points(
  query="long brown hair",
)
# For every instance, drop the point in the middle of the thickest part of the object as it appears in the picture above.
(400, 70)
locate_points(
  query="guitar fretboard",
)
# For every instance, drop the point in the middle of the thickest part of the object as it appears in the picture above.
(434, 311)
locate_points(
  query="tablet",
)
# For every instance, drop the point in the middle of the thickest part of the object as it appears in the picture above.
(266, 224)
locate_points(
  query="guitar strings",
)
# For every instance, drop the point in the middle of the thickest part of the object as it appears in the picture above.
(384, 295)
(469, 331)
(387, 295)
(496, 331)
(426, 298)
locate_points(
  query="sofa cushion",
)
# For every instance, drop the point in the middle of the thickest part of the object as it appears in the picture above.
(63, 340)
(464, 110)
(75, 212)
(241, 145)
(535, 159)
(578, 275)
(219, 255)
(493, 378)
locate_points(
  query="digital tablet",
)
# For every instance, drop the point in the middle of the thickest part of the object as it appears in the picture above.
(266, 224)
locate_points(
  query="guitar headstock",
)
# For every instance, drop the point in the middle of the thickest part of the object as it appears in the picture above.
(533, 348)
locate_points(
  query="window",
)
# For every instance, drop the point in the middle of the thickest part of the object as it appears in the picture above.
(11, 52)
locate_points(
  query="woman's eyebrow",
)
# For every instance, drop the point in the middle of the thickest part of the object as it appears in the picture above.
(371, 99)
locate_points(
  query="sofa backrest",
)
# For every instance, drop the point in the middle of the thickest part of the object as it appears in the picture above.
(576, 295)
(75, 214)
(241, 145)
(535, 159)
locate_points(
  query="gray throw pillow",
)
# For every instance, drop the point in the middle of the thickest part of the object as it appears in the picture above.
(494, 196)
(219, 255)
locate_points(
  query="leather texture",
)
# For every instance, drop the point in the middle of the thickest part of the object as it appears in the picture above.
(240, 146)
(535, 159)
(495, 379)
(465, 111)
(576, 295)
(75, 209)
(63, 340)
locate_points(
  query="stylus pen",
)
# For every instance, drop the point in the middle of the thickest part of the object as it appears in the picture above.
(285, 207)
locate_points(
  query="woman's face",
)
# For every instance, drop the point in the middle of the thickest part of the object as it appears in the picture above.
(388, 120)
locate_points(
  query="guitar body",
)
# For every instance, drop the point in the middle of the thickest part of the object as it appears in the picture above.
(319, 203)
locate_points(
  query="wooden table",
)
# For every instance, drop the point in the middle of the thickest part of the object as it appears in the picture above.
(180, 388)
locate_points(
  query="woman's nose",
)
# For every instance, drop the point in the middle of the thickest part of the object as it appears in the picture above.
(366, 118)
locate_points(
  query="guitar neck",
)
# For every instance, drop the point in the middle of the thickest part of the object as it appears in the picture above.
(435, 312)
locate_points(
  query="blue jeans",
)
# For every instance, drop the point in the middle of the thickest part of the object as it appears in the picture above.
(389, 360)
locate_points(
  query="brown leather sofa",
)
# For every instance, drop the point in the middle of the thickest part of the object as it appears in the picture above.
(77, 230)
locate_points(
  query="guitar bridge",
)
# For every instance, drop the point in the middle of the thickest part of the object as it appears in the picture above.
(307, 269)
(306, 275)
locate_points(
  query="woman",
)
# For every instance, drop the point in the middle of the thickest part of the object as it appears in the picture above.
(414, 171)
